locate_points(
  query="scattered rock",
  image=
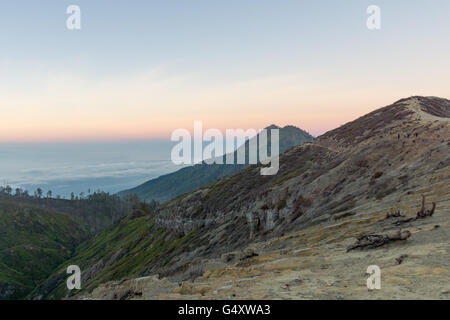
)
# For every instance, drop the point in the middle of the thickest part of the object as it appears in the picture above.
(229, 257)
(401, 258)
(247, 254)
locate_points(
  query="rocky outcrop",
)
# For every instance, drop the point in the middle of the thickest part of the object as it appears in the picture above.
(313, 263)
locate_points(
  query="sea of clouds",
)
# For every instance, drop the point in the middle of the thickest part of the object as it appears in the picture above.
(80, 167)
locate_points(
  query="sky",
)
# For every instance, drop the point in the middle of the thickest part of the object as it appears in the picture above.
(141, 69)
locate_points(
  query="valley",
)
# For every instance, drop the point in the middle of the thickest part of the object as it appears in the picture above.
(39, 234)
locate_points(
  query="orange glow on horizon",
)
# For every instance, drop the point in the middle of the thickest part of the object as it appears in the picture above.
(143, 106)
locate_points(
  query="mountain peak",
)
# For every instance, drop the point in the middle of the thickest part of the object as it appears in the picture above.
(273, 126)
(169, 186)
(435, 106)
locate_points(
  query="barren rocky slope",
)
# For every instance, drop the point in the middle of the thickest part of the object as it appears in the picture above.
(298, 224)
(285, 236)
(313, 264)
(393, 151)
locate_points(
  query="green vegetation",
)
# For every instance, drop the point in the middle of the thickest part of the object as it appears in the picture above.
(132, 248)
(172, 185)
(32, 243)
(108, 236)
(38, 234)
(182, 181)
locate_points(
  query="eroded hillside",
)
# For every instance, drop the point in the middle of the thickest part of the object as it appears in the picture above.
(285, 236)
(391, 152)
(314, 263)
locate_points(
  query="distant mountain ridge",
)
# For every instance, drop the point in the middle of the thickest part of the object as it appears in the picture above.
(169, 186)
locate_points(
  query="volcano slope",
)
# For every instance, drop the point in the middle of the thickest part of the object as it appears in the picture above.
(169, 186)
(286, 236)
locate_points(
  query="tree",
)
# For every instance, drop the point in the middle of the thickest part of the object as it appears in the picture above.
(49, 194)
(72, 196)
(8, 190)
(18, 192)
(153, 204)
(38, 193)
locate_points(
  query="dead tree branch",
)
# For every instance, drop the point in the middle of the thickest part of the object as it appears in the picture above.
(421, 214)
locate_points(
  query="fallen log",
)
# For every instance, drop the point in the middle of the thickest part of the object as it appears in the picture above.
(372, 241)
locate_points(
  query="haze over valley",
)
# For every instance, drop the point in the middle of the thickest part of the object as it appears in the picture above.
(64, 168)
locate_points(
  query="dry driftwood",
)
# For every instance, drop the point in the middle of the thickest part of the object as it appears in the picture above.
(377, 240)
(421, 214)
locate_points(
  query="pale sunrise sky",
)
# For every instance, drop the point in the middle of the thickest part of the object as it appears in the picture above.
(141, 69)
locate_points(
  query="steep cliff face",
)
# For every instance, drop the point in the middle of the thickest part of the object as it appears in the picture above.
(313, 263)
(388, 152)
